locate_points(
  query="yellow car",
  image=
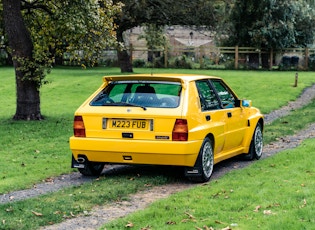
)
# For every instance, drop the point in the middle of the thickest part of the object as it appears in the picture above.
(184, 120)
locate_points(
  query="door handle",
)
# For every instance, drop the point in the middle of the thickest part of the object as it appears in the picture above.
(208, 117)
(229, 114)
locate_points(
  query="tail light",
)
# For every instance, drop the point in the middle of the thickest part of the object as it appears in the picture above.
(180, 130)
(78, 127)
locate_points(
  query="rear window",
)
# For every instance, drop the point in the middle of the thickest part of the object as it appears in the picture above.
(139, 93)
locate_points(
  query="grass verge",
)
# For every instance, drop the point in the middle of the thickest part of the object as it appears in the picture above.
(34, 151)
(275, 193)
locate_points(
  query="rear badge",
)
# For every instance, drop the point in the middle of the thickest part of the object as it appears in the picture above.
(162, 137)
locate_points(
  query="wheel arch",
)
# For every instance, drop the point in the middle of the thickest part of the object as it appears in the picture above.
(252, 123)
(261, 122)
(211, 137)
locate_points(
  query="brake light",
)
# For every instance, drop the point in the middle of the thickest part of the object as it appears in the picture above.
(180, 130)
(78, 127)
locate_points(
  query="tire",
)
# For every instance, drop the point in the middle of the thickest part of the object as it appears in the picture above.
(204, 162)
(256, 145)
(92, 169)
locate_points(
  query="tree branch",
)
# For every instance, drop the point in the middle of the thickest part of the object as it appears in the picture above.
(25, 5)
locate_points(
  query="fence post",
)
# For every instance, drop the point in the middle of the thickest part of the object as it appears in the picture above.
(296, 80)
(236, 58)
(306, 58)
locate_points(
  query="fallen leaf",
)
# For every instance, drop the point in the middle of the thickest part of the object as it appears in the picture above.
(218, 222)
(208, 228)
(170, 222)
(37, 213)
(49, 180)
(267, 212)
(304, 204)
(146, 228)
(257, 208)
(129, 225)
(10, 209)
(227, 228)
(189, 215)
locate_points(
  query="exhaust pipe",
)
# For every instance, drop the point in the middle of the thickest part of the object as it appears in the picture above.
(81, 160)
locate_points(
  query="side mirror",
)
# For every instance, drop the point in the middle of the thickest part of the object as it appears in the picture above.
(246, 103)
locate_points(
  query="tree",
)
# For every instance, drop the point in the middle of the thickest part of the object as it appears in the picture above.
(135, 13)
(159, 12)
(271, 24)
(155, 39)
(37, 31)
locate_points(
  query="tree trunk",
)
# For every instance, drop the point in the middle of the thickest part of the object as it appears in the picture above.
(21, 45)
(123, 56)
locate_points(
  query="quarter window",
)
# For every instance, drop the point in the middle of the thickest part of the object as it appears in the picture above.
(226, 96)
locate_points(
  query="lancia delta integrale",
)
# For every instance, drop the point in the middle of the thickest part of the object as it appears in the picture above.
(191, 121)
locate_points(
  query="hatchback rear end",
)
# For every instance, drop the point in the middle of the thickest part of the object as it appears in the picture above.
(135, 119)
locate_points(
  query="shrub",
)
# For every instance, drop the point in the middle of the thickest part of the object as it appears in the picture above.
(138, 63)
(182, 62)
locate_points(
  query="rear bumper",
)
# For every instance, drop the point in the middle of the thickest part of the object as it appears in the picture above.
(136, 151)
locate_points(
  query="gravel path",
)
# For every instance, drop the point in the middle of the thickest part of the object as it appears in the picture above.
(103, 214)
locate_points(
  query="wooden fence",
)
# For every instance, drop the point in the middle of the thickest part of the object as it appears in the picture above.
(298, 58)
(220, 57)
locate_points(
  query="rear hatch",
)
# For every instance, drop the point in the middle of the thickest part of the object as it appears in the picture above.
(141, 109)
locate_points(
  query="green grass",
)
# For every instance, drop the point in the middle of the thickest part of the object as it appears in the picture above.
(288, 125)
(275, 193)
(70, 202)
(33, 151)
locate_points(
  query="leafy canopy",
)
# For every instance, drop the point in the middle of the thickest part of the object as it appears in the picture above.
(271, 23)
(68, 25)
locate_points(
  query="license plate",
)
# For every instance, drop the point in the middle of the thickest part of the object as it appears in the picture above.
(128, 124)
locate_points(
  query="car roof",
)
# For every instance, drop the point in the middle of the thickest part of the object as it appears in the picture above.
(164, 77)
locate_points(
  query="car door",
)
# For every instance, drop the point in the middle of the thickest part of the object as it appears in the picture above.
(213, 117)
(235, 115)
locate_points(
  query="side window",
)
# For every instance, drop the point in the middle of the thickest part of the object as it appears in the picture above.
(227, 98)
(208, 99)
